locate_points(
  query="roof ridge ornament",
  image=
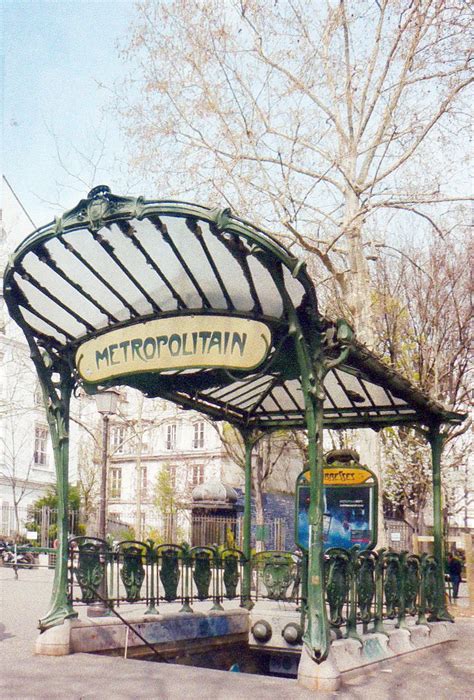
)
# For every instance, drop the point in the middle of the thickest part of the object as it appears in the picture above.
(221, 217)
(100, 207)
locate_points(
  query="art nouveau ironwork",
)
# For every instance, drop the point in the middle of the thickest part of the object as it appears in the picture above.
(100, 294)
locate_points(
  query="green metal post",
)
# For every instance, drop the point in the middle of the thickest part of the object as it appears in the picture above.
(422, 590)
(436, 440)
(351, 625)
(316, 636)
(312, 366)
(379, 571)
(402, 622)
(151, 570)
(317, 631)
(57, 411)
(247, 578)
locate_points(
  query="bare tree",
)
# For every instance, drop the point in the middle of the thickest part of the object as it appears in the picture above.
(424, 312)
(88, 476)
(425, 315)
(14, 471)
(316, 118)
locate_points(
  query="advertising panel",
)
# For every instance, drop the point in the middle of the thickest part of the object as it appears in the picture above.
(349, 508)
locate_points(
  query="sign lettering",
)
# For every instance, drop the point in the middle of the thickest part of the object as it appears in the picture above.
(343, 475)
(175, 343)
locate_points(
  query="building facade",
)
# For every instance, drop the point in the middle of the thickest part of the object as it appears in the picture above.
(26, 458)
(158, 456)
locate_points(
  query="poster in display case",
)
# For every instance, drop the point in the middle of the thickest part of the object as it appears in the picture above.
(350, 507)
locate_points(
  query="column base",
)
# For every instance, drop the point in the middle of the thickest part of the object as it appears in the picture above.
(57, 616)
(325, 676)
(55, 641)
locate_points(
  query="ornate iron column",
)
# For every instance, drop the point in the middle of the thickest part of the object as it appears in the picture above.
(436, 439)
(312, 347)
(249, 442)
(316, 636)
(57, 384)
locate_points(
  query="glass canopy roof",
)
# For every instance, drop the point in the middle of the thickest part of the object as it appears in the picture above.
(112, 262)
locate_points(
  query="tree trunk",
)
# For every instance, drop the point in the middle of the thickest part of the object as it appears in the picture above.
(17, 520)
(358, 298)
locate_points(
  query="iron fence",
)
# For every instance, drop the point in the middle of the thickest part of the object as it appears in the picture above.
(399, 534)
(141, 572)
(38, 524)
(362, 587)
(224, 529)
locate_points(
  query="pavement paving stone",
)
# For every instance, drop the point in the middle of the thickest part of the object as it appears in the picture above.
(440, 673)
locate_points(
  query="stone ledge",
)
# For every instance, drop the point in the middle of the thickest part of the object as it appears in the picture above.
(97, 635)
(350, 657)
(351, 654)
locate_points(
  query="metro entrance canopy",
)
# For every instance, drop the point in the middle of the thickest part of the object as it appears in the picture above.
(199, 307)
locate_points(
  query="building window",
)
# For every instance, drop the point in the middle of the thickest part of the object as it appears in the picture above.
(118, 439)
(197, 474)
(198, 441)
(41, 446)
(115, 482)
(171, 436)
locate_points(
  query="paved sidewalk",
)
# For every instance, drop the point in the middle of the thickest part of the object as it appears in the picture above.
(441, 673)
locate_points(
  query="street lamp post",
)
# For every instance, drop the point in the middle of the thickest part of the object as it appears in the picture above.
(107, 406)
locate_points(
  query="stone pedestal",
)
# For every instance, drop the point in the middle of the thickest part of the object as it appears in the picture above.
(324, 677)
(399, 641)
(350, 656)
(56, 641)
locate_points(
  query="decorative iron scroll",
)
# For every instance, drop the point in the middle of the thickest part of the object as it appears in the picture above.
(231, 575)
(365, 585)
(429, 580)
(132, 572)
(277, 572)
(392, 584)
(337, 577)
(202, 573)
(90, 569)
(412, 584)
(169, 573)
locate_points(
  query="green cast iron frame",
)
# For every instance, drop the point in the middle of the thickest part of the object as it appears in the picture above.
(308, 348)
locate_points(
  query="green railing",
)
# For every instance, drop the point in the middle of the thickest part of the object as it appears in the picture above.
(143, 572)
(362, 587)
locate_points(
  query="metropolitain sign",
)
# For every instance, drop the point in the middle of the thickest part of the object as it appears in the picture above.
(178, 342)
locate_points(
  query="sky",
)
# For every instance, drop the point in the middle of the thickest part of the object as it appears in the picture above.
(55, 55)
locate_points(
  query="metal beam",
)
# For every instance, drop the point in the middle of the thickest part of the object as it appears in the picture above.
(436, 439)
